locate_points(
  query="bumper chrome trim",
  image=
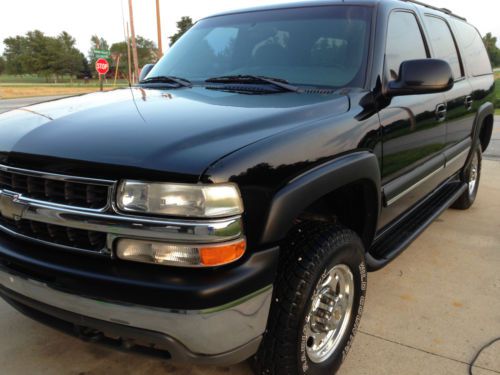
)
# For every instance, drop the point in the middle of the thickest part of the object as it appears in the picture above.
(127, 226)
(205, 332)
(120, 226)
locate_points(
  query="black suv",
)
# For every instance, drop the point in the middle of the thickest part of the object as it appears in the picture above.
(229, 206)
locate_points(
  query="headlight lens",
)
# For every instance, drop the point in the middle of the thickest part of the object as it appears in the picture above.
(202, 201)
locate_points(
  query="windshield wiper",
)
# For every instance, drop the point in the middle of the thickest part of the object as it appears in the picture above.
(168, 79)
(251, 79)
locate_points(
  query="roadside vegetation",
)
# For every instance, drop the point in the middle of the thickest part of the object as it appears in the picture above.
(35, 64)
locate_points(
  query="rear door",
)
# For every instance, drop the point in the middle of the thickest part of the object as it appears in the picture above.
(459, 101)
(414, 127)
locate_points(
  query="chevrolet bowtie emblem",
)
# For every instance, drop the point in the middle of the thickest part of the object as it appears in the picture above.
(10, 206)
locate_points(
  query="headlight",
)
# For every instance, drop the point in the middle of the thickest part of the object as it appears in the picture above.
(187, 200)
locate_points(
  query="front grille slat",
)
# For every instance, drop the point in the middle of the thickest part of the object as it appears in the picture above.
(76, 194)
(68, 237)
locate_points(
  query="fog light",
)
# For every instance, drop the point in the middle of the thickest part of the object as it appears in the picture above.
(179, 254)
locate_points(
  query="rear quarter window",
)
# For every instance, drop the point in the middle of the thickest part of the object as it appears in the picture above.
(473, 49)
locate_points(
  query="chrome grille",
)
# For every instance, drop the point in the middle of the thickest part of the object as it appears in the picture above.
(23, 192)
(55, 234)
(76, 194)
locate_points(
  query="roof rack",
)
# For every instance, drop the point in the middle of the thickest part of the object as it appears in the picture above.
(444, 10)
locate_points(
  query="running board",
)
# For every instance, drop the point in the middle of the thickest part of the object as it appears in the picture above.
(395, 240)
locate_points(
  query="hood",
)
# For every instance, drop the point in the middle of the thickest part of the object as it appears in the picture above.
(178, 131)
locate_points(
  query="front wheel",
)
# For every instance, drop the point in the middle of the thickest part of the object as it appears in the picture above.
(318, 301)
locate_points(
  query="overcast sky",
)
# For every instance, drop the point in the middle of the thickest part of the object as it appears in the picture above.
(104, 17)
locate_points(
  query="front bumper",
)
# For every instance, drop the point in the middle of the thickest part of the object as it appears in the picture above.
(224, 335)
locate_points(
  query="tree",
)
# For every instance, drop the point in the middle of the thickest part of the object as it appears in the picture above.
(2, 65)
(15, 53)
(182, 26)
(491, 46)
(147, 52)
(70, 59)
(98, 43)
(36, 53)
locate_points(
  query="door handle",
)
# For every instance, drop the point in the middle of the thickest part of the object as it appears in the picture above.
(441, 111)
(468, 102)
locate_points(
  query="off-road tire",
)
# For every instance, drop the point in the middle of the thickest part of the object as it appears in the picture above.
(310, 250)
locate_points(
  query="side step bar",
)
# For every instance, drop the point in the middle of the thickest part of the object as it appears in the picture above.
(395, 240)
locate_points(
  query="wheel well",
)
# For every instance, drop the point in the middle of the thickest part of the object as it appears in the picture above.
(354, 206)
(486, 132)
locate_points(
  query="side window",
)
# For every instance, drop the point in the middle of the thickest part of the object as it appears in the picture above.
(474, 51)
(443, 44)
(404, 42)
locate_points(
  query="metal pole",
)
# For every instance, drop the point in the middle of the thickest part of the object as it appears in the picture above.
(101, 82)
(116, 68)
(129, 56)
(158, 25)
(134, 44)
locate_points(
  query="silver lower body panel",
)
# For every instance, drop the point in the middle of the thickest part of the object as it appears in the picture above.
(204, 333)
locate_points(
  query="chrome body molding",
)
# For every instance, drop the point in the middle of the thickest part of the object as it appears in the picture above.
(200, 331)
(460, 157)
(413, 187)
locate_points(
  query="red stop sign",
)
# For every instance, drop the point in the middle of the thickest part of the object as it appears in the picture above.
(102, 66)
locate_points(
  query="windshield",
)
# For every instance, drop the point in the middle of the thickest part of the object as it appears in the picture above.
(320, 46)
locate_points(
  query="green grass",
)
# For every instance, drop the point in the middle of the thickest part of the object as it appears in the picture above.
(66, 81)
(12, 87)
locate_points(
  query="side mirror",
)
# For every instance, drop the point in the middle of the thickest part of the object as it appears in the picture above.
(145, 71)
(425, 76)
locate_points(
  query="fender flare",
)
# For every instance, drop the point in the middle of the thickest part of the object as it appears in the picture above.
(487, 109)
(316, 183)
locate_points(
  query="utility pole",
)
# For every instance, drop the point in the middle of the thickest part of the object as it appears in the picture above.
(134, 43)
(158, 25)
(101, 83)
(129, 56)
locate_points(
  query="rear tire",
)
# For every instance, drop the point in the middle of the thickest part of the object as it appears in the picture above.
(471, 175)
(318, 300)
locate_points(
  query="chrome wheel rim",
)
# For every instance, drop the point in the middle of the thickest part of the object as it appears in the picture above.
(473, 175)
(330, 313)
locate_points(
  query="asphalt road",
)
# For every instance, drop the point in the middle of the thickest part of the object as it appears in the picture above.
(9, 104)
(493, 151)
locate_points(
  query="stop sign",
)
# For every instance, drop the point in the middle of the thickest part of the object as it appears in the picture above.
(102, 66)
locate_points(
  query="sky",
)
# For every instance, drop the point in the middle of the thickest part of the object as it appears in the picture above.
(82, 19)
